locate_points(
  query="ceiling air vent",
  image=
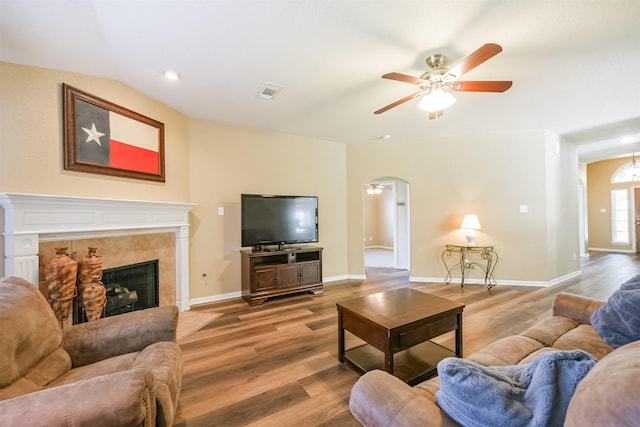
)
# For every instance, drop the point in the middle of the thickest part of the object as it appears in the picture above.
(269, 90)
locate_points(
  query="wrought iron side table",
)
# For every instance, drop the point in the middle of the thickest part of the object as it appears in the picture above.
(483, 258)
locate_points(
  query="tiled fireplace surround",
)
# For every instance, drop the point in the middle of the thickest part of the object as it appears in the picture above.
(124, 231)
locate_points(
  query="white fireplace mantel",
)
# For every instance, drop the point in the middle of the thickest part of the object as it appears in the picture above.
(30, 218)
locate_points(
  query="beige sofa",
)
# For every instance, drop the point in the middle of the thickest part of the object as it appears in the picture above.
(607, 396)
(123, 370)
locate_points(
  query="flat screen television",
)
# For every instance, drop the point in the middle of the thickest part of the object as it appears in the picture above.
(278, 220)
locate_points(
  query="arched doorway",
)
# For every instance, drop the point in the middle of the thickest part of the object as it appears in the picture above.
(386, 219)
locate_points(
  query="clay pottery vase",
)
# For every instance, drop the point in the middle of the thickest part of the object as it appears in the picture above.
(90, 267)
(94, 298)
(81, 287)
(60, 275)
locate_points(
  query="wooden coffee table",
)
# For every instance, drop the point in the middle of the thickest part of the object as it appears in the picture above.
(397, 327)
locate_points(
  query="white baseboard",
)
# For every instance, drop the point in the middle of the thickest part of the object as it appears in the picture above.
(622, 251)
(214, 298)
(230, 295)
(335, 278)
(414, 279)
(499, 282)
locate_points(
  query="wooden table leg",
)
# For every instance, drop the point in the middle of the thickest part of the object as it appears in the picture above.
(340, 338)
(459, 336)
(388, 359)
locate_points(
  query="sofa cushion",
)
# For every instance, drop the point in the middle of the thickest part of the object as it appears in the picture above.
(585, 338)
(50, 368)
(428, 388)
(506, 351)
(548, 330)
(109, 366)
(47, 370)
(30, 331)
(609, 394)
(576, 307)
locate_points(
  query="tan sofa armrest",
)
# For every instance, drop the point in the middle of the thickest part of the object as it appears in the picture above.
(121, 399)
(125, 333)
(575, 307)
(380, 399)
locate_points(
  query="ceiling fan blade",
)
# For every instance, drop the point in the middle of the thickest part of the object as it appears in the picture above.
(471, 61)
(403, 78)
(398, 102)
(481, 86)
(435, 114)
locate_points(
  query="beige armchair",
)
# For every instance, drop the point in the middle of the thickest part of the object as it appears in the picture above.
(123, 370)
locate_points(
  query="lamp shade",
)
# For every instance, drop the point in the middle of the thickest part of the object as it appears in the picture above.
(471, 222)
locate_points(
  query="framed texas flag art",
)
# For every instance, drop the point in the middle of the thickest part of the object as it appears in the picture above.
(105, 138)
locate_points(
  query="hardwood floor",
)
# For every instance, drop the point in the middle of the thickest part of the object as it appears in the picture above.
(277, 365)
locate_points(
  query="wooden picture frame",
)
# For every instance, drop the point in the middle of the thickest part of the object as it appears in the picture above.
(104, 138)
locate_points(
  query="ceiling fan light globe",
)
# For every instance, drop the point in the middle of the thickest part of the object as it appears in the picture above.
(437, 100)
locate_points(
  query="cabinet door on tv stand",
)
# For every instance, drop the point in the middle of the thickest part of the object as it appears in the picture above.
(310, 273)
(288, 277)
(265, 278)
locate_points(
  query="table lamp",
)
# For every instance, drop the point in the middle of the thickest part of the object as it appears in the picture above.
(470, 223)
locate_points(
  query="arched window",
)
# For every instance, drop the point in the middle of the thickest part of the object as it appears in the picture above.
(627, 173)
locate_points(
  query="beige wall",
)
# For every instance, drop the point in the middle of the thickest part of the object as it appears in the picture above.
(599, 188)
(490, 175)
(227, 161)
(31, 159)
(212, 164)
(371, 218)
(562, 220)
(378, 218)
(386, 207)
(206, 163)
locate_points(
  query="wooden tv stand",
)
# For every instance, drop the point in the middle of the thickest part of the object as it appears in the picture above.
(267, 274)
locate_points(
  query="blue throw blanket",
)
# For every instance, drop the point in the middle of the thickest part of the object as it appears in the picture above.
(524, 395)
(618, 321)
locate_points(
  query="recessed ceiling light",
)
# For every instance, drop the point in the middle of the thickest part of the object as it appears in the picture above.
(627, 140)
(386, 136)
(171, 75)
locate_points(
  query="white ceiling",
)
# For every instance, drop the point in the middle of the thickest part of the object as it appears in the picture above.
(575, 64)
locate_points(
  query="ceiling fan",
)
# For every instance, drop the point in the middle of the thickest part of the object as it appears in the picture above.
(374, 189)
(436, 83)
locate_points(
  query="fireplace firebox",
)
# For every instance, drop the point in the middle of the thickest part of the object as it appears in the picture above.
(129, 288)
